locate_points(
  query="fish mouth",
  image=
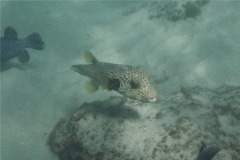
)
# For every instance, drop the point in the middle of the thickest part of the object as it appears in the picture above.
(152, 99)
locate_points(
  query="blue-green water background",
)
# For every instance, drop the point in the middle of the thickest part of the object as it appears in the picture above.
(201, 51)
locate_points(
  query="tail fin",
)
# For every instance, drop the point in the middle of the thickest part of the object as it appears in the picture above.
(79, 68)
(34, 41)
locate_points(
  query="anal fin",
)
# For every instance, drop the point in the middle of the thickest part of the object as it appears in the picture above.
(91, 86)
(23, 56)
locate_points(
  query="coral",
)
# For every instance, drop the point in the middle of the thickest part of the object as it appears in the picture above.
(172, 128)
(171, 10)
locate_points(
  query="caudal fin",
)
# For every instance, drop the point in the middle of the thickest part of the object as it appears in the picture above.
(34, 41)
(79, 68)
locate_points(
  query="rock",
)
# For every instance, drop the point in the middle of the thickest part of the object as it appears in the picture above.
(173, 128)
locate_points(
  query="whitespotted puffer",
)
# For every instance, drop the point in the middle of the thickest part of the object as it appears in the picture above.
(125, 79)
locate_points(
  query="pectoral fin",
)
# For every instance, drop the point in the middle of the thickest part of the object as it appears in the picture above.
(91, 86)
(23, 56)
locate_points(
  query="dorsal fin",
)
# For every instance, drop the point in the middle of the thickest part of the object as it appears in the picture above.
(90, 57)
(10, 33)
(137, 67)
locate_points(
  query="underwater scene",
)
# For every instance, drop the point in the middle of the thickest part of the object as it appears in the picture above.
(120, 80)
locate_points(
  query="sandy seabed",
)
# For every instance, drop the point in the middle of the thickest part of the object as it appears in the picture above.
(178, 45)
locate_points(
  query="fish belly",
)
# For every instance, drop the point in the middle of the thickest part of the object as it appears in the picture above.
(9, 50)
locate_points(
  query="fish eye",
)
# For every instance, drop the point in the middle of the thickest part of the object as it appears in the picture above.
(114, 84)
(134, 84)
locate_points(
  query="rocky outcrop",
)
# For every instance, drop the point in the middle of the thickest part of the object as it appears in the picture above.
(171, 10)
(173, 128)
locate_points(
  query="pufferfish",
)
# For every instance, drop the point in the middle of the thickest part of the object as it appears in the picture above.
(127, 80)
